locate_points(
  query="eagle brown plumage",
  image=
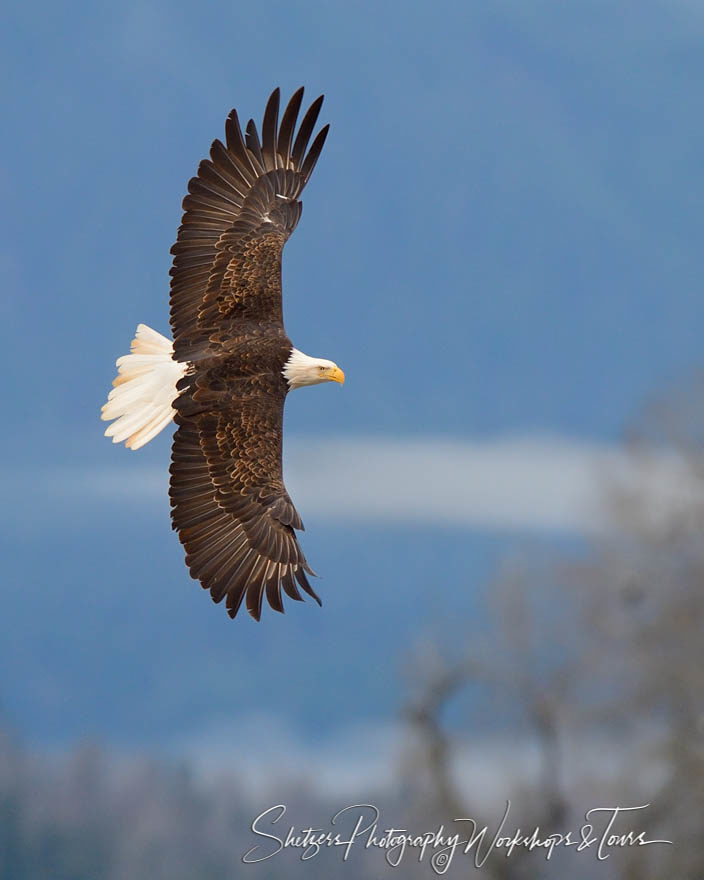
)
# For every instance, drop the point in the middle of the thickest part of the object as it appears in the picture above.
(232, 364)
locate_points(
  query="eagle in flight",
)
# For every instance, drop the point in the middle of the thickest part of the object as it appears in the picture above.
(225, 377)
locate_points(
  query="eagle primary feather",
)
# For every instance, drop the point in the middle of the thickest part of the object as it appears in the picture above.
(226, 377)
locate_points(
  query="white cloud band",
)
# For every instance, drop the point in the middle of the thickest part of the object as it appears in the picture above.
(519, 483)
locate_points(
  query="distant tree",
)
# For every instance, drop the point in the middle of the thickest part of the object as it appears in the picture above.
(602, 653)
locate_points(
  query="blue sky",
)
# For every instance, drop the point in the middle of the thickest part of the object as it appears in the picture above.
(502, 239)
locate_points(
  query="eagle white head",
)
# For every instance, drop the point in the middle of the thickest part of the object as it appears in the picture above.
(301, 369)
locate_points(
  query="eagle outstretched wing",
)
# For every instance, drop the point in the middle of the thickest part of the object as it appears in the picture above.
(229, 503)
(232, 512)
(240, 209)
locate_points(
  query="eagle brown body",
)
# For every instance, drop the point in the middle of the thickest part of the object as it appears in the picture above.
(229, 503)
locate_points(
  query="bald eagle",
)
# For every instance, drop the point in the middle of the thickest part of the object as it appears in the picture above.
(224, 378)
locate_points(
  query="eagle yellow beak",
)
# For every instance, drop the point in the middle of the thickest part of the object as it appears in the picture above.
(335, 374)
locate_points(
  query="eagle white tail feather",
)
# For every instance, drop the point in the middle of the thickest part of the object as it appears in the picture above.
(144, 390)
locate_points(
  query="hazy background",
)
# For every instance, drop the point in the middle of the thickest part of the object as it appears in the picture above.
(501, 246)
